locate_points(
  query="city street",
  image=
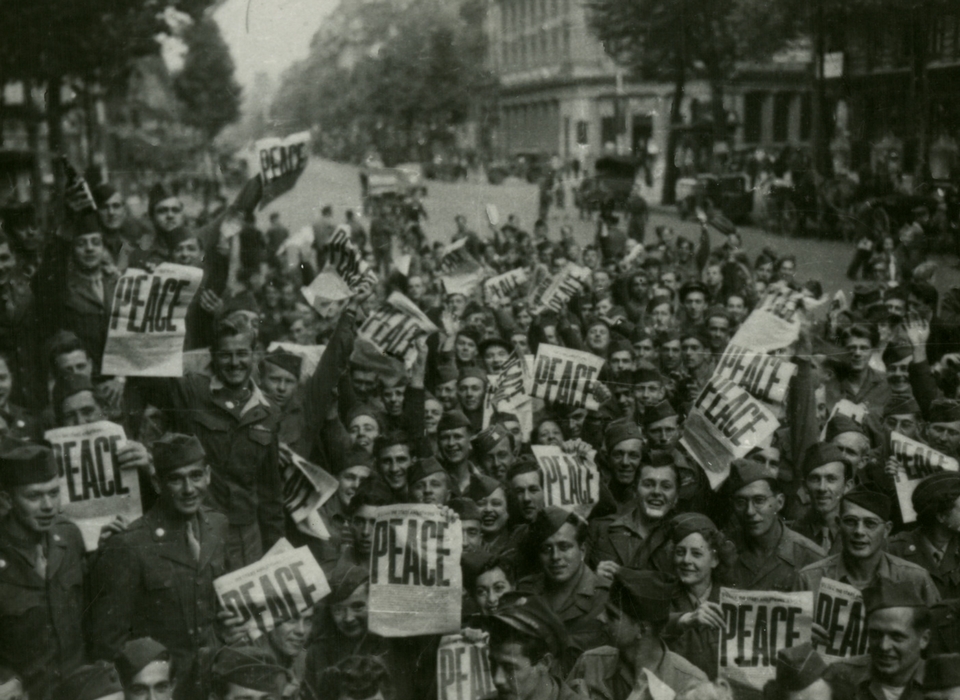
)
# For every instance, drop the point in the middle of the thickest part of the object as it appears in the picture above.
(325, 182)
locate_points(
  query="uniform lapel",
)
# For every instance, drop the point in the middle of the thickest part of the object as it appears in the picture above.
(171, 539)
(56, 548)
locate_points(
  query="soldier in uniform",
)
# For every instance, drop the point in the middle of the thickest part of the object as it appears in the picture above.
(941, 677)
(770, 554)
(279, 380)
(156, 578)
(800, 676)
(526, 640)
(827, 475)
(638, 538)
(899, 631)
(245, 672)
(41, 572)
(864, 528)
(624, 450)
(96, 681)
(238, 428)
(935, 543)
(565, 582)
(639, 662)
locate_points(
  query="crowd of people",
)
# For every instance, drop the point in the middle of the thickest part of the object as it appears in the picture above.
(622, 604)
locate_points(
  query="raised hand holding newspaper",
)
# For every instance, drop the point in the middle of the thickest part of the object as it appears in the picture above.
(916, 461)
(463, 669)
(569, 482)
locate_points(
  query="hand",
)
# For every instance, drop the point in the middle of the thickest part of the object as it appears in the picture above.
(210, 302)
(577, 447)
(449, 514)
(600, 392)
(111, 391)
(607, 570)
(819, 634)
(917, 329)
(892, 467)
(133, 455)
(230, 628)
(116, 526)
(474, 636)
(707, 614)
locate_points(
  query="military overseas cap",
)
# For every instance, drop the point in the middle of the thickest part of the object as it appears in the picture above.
(472, 373)
(495, 341)
(657, 458)
(248, 667)
(173, 451)
(799, 667)
(451, 420)
(658, 412)
(424, 468)
(646, 372)
(655, 301)
(686, 524)
(549, 521)
(901, 406)
(344, 581)
(945, 411)
(619, 430)
(286, 361)
(941, 672)
(886, 593)
(481, 486)
(876, 503)
(466, 508)
(23, 463)
(157, 194)
(488, 438)
(355, 677)
(531, 616)
(936, 491)
(358, 457)
(820, 454)
(842, 424)
(690, 287)
(643, 595)
(448, 373)
(619, 344)
(136, 655)
(744, 472)
(896, 353)
(95, 681)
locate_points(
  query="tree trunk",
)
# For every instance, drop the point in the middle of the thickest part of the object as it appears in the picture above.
(669, 194)
(719, 116)
(33, 143)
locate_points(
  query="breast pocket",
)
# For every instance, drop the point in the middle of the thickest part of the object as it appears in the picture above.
(215, 434)
(160, 595)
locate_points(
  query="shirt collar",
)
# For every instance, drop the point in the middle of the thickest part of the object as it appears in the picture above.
(256, 396)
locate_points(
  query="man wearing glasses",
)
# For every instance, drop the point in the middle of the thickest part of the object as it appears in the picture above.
(770, 553)
(864, 528)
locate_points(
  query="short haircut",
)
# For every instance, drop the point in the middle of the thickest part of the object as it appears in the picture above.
(391, 438)
(862, 332)
(502, 563)
(534, 648)
(672, 467)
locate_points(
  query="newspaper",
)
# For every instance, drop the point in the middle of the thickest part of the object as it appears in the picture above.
(758, 624)
(504, 287)
(396, 325)
(147, 321)
(282, 162)
(766, 377)
(463, 670)
(94, 489)
(845, 407)
(306, 487)
(350, 263)
(310, 354)
(840, 611)
(280, 587)
(725, 423)
(564, 376)
(554, 294)
(415, 580)
(328, 294)
(773, 325)
(917, 461)
(568, 482)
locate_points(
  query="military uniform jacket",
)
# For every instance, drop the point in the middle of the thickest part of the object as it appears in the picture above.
(889, 567)
(41, 636)
(148, 584)
(913, 547)
(578, 612)
(855, 673)
(243, 452)
(811, 527)
(779, 572)
(599, 675)
(617, 538)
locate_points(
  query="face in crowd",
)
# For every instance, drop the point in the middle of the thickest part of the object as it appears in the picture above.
(277, 384)
(32, 506)
(167, 215)
(657, 491)
(183, 489)
(433, 488)
(499, 459)
(489, 588)
(527, 491)
(562, 555)
(826, 485)
(81, 408)
(153, 682)
(365, 384)
(454, 445)
(233, 359)
(757, 507)
(625, 459)
(493, 513)
(471, 390)
(695, 559)
(664, 433)
(364, 430)
(350, 614)
(349, 480)
(863, 532)
(394, 462)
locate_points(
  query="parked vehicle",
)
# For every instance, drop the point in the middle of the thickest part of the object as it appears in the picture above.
(728, 193)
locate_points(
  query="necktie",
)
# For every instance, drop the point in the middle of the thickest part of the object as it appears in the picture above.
(40, 565)
(937, 556)
(193, 542)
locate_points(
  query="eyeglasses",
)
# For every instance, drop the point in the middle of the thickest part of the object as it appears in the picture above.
(741, 502)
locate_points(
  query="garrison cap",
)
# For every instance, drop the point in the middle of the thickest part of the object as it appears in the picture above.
(488, 438)
(136, 655)
(686, 524)
(643, 595)
(744, 472)
(620, 430)
(344, 581)
(842, 424)
(466, 508)
(548, 522)
(451, 420)
(91, 682)
(936, 491)
(901, 406)
(945, 411)
(646, 372)
(875, 502)
(658, 412)
(819, 454)
(173, 451)
(481, 486)
(23, 463)
(799, 667)
(248, 667)
(886, 593)
(896, 353)
(531, 616)
(286, 361)
(472, 373)
(424, 468)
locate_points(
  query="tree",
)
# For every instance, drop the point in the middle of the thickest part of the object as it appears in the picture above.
(676, 39)
(206, 85)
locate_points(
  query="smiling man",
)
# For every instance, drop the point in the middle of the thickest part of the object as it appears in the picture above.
(146, 670)
(624, 450)
(943, 426)
(864, 528)
(638, 537)
(189, 538)
(574, 593)
(41, 572)
(429, 483)
(453, 437)
(828, 476)
(859, 382)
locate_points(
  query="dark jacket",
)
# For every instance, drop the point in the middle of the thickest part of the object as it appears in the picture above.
(914, 548)
(616, 538)
(41, 635)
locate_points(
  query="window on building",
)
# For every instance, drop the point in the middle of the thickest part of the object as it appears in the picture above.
(753, 117)
(781, 116)
(608, 130)
(583, 133)
(806, 116)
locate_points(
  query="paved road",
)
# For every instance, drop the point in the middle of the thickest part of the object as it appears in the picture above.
(325, 182)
